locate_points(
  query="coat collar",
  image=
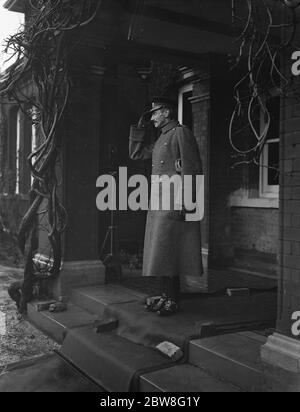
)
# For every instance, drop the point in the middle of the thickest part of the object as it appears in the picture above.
(169, 126)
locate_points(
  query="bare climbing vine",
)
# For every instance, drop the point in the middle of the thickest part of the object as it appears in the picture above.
(39, 79)
(268, 30)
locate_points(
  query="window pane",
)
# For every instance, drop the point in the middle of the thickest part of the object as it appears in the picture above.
(273, 156)
(18, 146)
(273, 106)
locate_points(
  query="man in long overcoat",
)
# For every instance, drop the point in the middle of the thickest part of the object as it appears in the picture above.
(172, 248)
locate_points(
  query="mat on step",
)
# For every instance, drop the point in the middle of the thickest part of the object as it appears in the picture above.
(111, 361)
(227, 313)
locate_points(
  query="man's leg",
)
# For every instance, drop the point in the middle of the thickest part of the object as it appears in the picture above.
(169, 303)
(171, 287)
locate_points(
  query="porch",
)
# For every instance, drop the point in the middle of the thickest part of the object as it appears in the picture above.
(112, 81)
(107, 334)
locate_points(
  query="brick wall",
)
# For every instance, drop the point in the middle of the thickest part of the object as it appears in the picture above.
(254, 235)
(289, 296)
(255, 229)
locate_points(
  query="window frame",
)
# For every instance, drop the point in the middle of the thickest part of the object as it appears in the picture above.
(34, 135)
(185, 89)
(266, 190)
(18, 153)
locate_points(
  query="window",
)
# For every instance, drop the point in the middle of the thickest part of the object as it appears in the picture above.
(20, 139)
(11, 150)
(185, 113)
(263, 182)
(269, 163)
(34, 133)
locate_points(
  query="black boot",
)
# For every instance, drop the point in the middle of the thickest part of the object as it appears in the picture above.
(169, 304)
(171, 287)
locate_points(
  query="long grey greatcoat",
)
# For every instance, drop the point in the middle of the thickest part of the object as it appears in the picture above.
(172, 245)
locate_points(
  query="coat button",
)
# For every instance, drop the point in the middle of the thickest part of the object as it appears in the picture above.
(162, 162)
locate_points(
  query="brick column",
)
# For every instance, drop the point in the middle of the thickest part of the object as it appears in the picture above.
(201, 113)
(211, 106)
(82, 131)
(281, 354)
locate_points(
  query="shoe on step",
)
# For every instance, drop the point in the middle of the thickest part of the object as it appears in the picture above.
(169, 307)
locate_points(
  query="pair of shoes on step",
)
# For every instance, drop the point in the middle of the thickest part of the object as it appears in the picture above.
(162, 305)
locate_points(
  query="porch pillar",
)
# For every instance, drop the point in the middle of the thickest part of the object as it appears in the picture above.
(281, 354)
(211, 102)
(82, 132)
(201, 113)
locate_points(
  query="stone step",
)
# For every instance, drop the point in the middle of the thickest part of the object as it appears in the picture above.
(95, 300)
(183, 378)
(234, 358)
(56, 325)
(109, 360)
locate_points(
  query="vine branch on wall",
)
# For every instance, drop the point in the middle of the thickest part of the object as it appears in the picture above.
(269, 28)
(40, 52)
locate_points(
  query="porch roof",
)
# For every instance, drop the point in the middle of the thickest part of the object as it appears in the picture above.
(191, 27)
(187, 26)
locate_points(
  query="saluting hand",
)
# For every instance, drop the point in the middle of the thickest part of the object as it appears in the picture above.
(143, 120)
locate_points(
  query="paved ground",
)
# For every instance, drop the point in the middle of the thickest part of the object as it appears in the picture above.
(27, 361)
(21, 340)
(44, 374)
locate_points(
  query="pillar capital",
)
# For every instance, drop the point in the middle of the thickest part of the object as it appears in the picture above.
(145, 71)
(200, 99)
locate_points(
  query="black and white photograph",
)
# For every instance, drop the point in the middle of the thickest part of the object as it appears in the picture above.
(149, 198)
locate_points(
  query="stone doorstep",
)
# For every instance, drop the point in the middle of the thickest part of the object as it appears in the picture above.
(234, 358)
(167, 377)
(210, 359)
(85, 307)
(56, 325)
(108, 359)
(95, 300)
(184, 378)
